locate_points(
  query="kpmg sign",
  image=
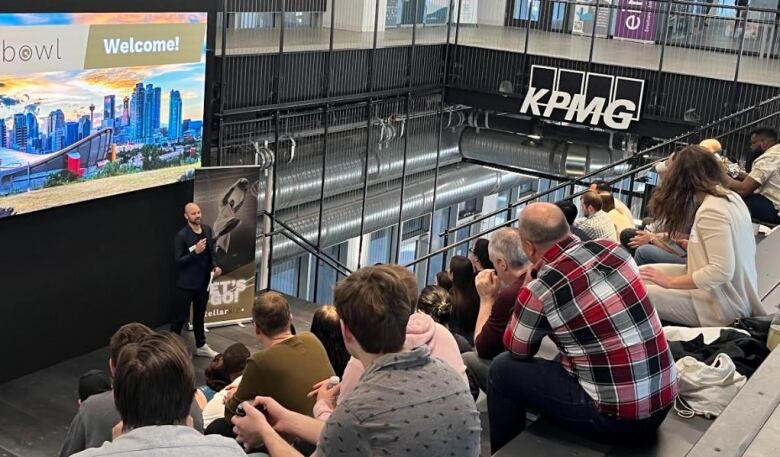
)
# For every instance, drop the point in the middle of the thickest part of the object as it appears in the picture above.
(586, 98)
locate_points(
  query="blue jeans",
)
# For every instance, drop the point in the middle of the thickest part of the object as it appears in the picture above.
(762, 208)
(515, 385)
(648, 254)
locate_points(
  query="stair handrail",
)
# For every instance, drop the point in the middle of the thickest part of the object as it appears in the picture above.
(639, 155)
(305, 244)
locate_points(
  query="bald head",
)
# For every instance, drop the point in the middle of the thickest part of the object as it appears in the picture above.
(543, 224)
(192, 213)
(712, 145)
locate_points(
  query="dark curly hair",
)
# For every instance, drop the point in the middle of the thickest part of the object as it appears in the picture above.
(227, 366)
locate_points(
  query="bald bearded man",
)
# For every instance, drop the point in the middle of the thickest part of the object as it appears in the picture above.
(195, 254)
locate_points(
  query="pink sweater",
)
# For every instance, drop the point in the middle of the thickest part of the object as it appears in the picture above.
(421, 330)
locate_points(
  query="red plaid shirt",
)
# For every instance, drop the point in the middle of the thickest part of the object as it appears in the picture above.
(589, 299)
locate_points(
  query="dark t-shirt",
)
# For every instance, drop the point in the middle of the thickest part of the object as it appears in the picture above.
(489, 343)
(194, 268)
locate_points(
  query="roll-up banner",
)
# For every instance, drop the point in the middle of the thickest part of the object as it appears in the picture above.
(635, 21)
(227, 197)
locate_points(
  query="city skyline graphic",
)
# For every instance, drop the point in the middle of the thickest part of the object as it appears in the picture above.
(73, 92)
(97, 132)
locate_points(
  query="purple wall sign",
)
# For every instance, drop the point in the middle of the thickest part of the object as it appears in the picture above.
(635, 21)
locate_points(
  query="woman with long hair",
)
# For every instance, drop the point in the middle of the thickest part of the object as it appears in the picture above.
(719, 282)
(442, 279)
(325, 326)
(478, 255)
(464, 298)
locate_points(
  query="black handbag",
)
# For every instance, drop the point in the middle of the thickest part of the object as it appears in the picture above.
(758, 327)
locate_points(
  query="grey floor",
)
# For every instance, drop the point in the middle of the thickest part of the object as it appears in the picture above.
(678, 60)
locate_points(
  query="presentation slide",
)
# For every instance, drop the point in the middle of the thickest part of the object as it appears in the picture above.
(97, 104)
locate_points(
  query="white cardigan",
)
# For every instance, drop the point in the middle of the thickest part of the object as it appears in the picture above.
(722, 261)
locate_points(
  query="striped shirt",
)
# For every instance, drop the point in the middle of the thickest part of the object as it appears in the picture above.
(588, 297)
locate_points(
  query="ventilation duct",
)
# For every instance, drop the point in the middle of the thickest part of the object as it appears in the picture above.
(549, 155)
(299, 182)
(456, 184)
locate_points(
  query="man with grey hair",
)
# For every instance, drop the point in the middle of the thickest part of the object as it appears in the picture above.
(615, 379)
(498, 291)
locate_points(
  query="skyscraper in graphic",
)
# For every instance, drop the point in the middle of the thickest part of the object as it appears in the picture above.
(138, 112)
(85, 127)
(156, 99)
(3, 134)
(148, 106)
(33, 134)
(126, 112)
(174, 116)
(71, 133)
(151, 111)
(20, 132)
(109, 111)
(56, 129)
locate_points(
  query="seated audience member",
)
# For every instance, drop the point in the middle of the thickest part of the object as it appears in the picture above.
(97, 415)
(215, 408)
(648, 245)
(479, 257)
(407, 402)
(435, 302)
(602, 186)
(619, 219)
(596, 223)
(154, 385)
(718, 284)
(93, 382)
(498, 291)
(761, 187)
(287, 366)
(421, 330)
(713, 146)
(325, 326)
(442, 279)
(224, 369)
(616, 379)
(464, 299)
(662, 166)
(649, 248)
(570, 212)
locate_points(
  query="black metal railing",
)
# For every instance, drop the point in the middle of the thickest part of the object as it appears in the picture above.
(279, 77)
(301, 241)
(768, 111)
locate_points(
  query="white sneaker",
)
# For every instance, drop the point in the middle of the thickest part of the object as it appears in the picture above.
(206, 351)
